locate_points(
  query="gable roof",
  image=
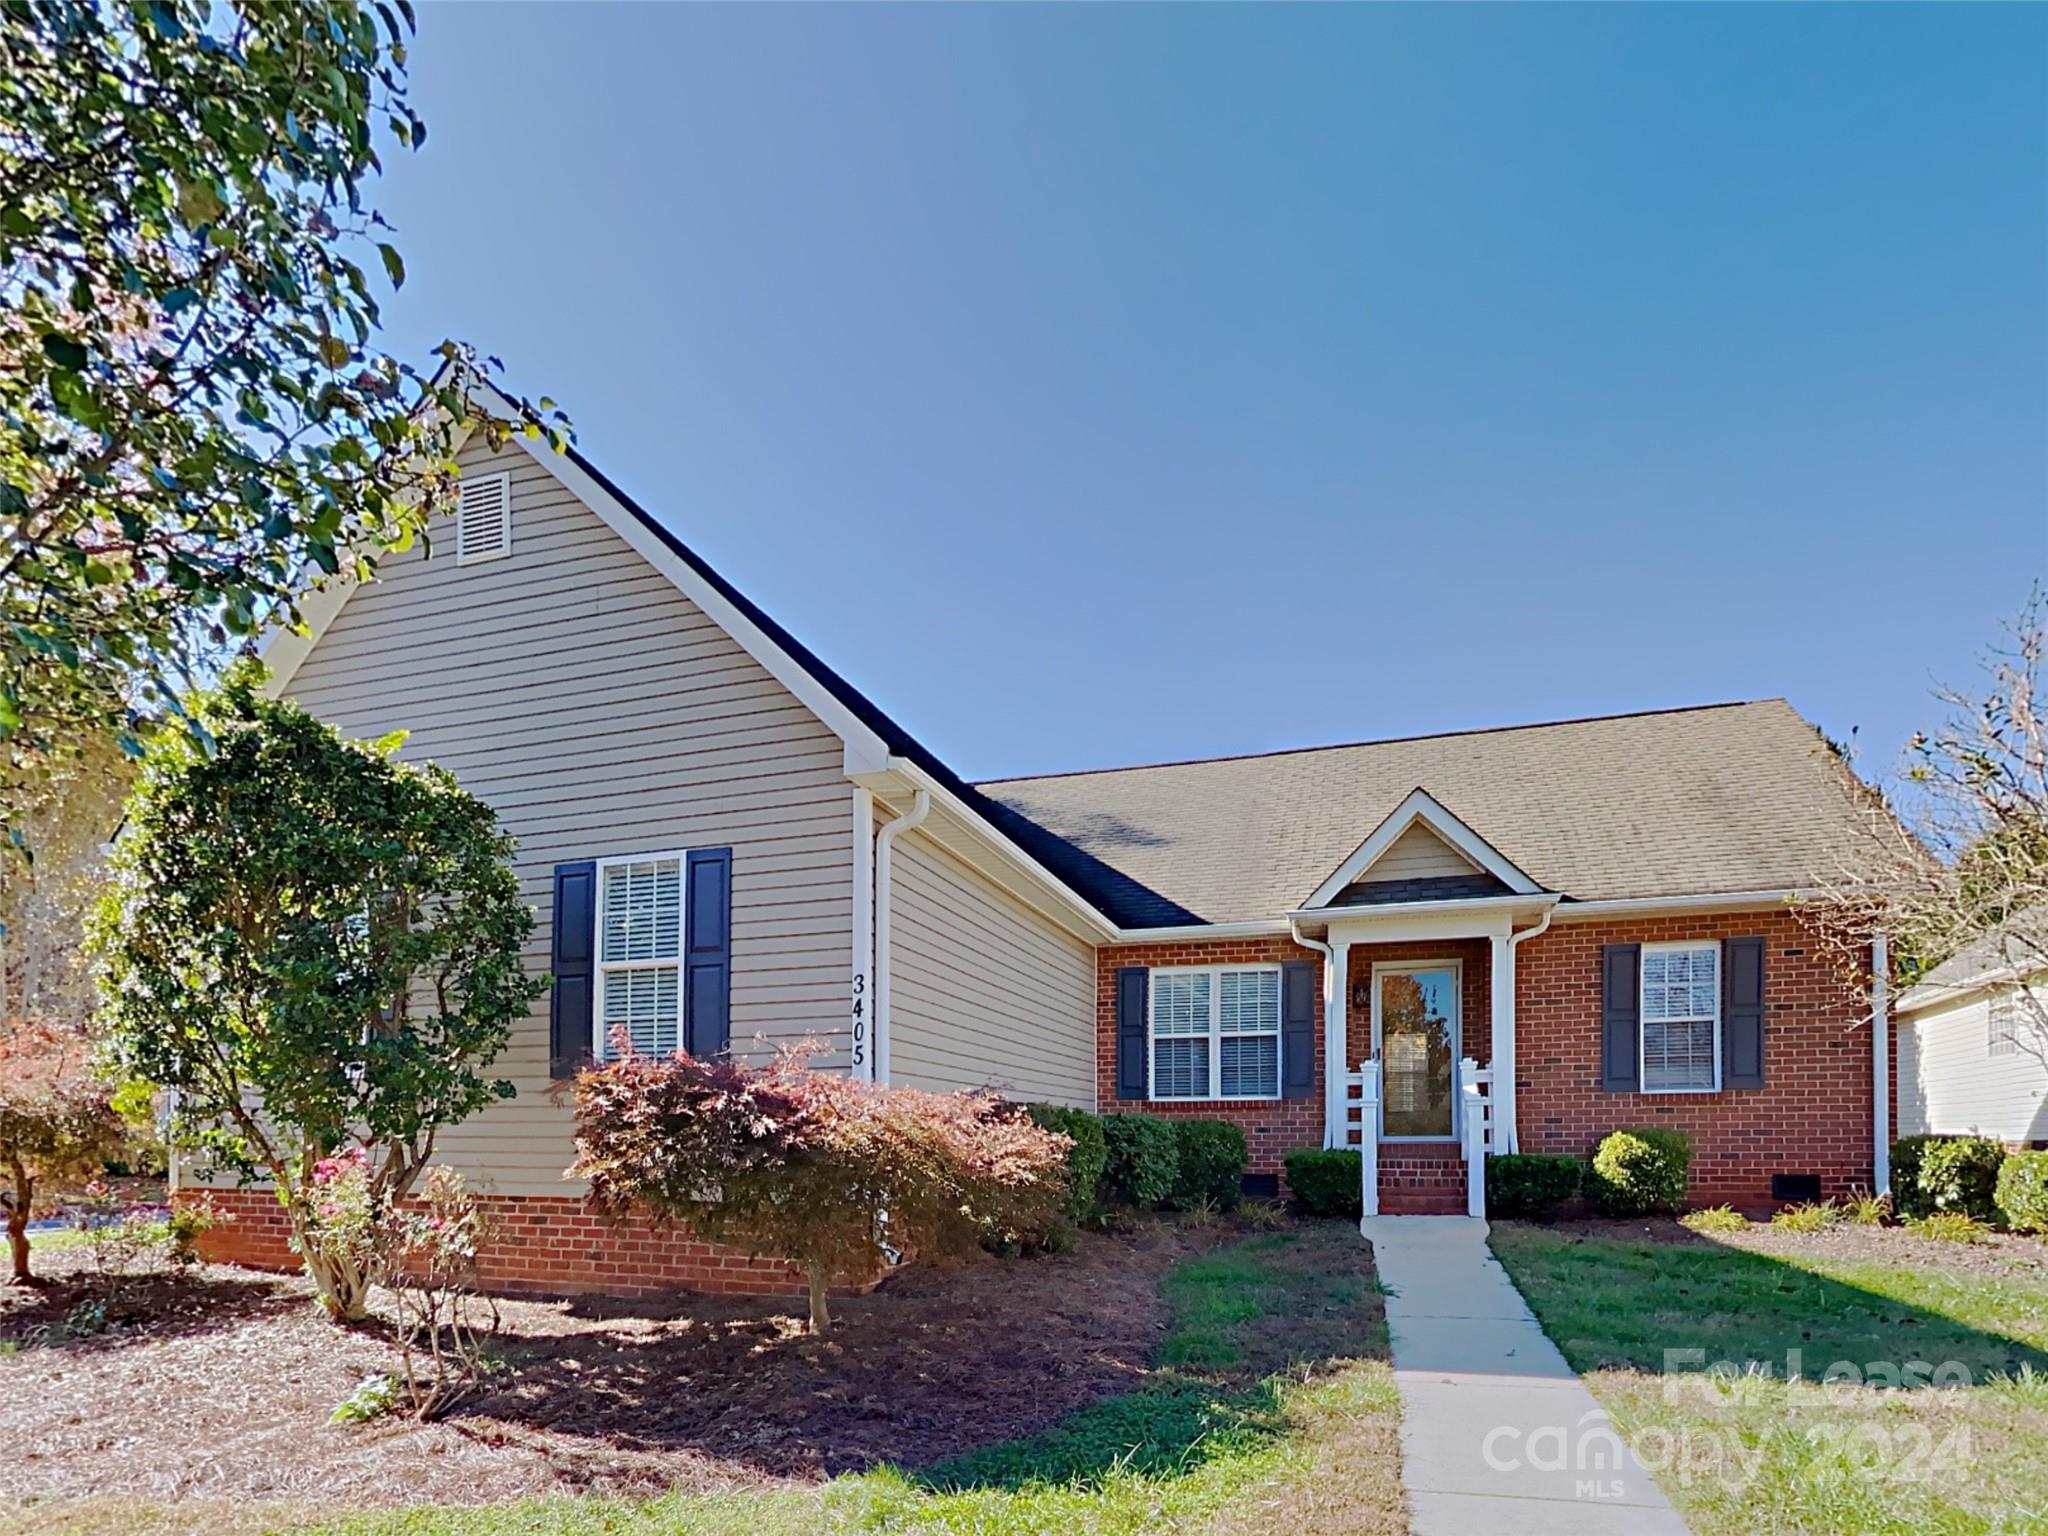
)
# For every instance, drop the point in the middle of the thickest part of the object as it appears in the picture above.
(2017, 949)
(1721, 799)
(1421, 808)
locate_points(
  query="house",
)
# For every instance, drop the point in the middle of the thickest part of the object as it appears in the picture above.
(1973, 1040)
(1559, 929)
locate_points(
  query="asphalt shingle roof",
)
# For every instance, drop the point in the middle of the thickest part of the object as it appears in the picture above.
(1723, 798)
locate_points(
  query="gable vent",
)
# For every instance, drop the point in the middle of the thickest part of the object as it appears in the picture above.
(483, 519)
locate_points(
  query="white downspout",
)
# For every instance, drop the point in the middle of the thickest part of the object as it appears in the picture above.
(1507, 1130)
(861, 1005)
(1333, 1042)
(885, 846)
(1881, 1065)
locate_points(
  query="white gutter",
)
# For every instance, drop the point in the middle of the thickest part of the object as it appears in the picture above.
(885, 865)
(1621, 906)
(1880, 1066)
(1333, 1039)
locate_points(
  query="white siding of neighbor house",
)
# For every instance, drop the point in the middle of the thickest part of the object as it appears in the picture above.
(602, 712)
(1417, 854)
(1950, 1083)
(984, 991)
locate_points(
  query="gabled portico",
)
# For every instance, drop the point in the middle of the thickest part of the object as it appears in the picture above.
(1419, 929)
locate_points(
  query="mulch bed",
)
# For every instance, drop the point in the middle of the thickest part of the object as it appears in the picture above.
(217, 1384)
(2000, 1254)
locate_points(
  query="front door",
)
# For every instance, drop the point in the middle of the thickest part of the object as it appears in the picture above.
(1415, 1035)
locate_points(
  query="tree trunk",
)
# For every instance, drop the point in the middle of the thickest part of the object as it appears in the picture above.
(821, 1317)
(342, 1283)
(17, 1222)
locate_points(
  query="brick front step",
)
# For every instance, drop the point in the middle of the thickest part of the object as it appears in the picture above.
(1422, 1181)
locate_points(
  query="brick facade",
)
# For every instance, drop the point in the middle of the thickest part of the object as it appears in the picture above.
(1812, 1116)
(542, 1246)
(1272, 1128)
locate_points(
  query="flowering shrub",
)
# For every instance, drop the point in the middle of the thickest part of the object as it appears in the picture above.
(427, 1255)
(803, 1165)
(337, 1232)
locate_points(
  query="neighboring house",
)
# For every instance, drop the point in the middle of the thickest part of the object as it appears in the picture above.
(1973, 1049)
(730, 847)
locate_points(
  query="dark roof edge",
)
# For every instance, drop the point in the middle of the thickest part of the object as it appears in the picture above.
(1389, 741)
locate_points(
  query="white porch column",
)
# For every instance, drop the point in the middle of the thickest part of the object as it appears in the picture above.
(1336, 982)
(1505, 1138)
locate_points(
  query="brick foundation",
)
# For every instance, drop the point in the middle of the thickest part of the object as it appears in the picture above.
(542, 1246)
(1811, 1116)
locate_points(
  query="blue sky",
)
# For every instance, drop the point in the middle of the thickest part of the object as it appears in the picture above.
(1098, 385)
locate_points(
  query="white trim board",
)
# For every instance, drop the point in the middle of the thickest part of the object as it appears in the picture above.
(1426, 808)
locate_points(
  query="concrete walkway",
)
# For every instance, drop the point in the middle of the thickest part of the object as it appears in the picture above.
(1497, 1433)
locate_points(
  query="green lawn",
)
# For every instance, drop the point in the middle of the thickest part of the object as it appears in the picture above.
(1752, 1453)
(1272, 1409)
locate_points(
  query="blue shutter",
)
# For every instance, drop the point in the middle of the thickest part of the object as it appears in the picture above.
(1133, 986)
(1298, 1029)
(1620, 1009)
(707, 953)
(574, 917)
(1742, 1013)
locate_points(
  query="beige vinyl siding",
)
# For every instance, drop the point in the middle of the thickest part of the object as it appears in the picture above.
(602, 712)
(1950, 1084)
(984, 991)
(1417, 854)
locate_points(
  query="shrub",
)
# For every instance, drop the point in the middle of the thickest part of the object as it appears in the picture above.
(57, 1121)
(1908, 1200)
(1715, 1218)
(2023, 1191)
(1326, 1183)
(1961, 1174)
(317, 947)
(1640, 1171)
(802, 1165)
(1144, 1160)
(1086, 1158)
(1211, 1157)
(1865, 1209)
(1531, 1185)
(1813, 1216)
(1948, 1227)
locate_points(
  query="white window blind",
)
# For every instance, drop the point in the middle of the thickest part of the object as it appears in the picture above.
(639, 953)
(1216, 1033)
(1681, 1018)
(2001, 1021)
(483, 519)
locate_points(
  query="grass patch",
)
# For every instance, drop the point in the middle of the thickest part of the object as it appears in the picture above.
(1754, 1451)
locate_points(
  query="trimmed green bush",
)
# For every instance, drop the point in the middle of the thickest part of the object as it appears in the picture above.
(1640, 1171)
(2023, 1191)
(1085, 1159)
(1144, 1160)
(1212, 1162)
(1960, 1174)
(1908, 1200)
(1326, 1182)
(1531, 1185)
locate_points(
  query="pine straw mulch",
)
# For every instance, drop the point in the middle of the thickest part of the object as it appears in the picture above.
(217, 1384)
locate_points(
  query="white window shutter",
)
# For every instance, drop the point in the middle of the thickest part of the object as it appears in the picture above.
(483, 519)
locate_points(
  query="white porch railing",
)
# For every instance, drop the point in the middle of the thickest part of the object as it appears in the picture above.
(1359, 1126)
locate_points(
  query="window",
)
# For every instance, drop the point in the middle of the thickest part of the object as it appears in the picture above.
(639, 952)
(1216, 1033)
(483, 519)
(2001, 1020)
(1681, 1018)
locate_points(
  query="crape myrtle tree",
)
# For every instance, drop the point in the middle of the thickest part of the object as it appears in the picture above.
(1957, 855)
(819, 1168)
(196, 423)
(315, 947)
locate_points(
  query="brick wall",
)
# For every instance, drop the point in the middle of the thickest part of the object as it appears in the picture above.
(1811, 1116)
(1272, 1128)
(542, 1245)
